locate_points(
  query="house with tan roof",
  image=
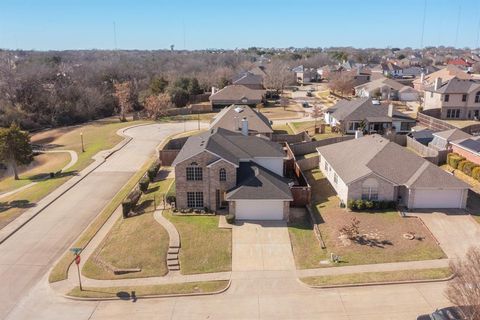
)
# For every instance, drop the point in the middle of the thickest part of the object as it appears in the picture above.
(237, 94)
(242, 118)
(373, 168)
(386, 89)
(446, 74)
(454, 99)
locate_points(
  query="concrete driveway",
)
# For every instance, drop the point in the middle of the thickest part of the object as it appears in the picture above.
(261, 246)
(456, 232)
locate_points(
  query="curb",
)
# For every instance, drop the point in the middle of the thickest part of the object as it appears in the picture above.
(157, 295)
(371, 284)
(98, 158)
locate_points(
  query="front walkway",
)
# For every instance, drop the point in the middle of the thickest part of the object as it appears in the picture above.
(456, 232)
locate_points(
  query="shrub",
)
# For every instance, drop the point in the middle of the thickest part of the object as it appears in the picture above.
(351, 204)
(476, 173)
(369, 205)
(153, 170)
(461, 164)
(468, 167)
(143, 184)
(171, 199)
(359, 204)
(230, 218)
(454, 159)
(130, 202)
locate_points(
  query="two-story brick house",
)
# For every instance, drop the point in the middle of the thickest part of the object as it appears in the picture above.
(221, 169)
(454, 99)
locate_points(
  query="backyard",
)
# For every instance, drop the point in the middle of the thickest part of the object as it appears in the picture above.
(381, 236)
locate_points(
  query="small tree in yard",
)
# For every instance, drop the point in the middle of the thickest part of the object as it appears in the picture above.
(157, 105)
(126, 96)
(15, 147)
(342, 82)
(284, 102)
(351, 230)
(316, 113)
(464, 289)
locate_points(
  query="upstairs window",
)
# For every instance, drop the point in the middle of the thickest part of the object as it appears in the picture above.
(223, 174)
(446, 98)
(194, 172)
(477, 97)
(464, 97)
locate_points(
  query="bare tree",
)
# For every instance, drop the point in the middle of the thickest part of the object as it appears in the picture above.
(125, 93)
(157, 105)
(316, 113)
(464, 289)
(278, 76)
(342, 82)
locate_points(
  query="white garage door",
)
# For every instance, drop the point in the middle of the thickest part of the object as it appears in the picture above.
(438, 198)
(259, 209)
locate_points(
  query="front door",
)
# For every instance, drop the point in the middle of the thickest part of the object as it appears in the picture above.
(220, 199)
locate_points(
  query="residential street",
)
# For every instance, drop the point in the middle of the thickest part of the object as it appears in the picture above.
(27, 255)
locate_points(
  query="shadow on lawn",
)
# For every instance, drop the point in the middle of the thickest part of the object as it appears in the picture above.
(22, 204)
(374, 243)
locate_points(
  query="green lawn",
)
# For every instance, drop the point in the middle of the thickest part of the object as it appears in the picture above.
(164, 289)
(373, 277)
(98, 135)
(282, 129)
(306, 248)
(204, 247)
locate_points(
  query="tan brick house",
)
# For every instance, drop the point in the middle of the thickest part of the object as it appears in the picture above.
(221, 169)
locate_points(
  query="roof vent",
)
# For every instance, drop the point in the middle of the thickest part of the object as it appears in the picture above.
(375, 102)
(238, 109)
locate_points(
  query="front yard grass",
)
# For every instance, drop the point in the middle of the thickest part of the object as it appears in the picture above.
(282, 129)
(278, 112)
(163, 289)
(204, 247)
(382, 233)
(306, 248)
(374, 277)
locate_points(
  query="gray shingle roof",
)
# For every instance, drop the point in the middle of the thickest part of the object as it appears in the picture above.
(456, 85)
(256, 183)
(357, 158)
(228, 145)
(363, 109)
(237, 93)
(230, 118)
(452, 134)
(472, 144)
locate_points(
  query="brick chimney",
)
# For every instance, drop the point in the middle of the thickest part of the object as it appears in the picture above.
(390, 110)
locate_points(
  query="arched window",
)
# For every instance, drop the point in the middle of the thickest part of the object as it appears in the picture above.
(194, 172)
(477, 97)
(223, 174)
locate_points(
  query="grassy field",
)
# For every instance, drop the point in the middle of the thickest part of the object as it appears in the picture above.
(373, 277)
(42, 165)
(282, 129)
(60, 270)
(98, 136)
(278, 113)
(205, 247)
(164, 289)
(382, 234)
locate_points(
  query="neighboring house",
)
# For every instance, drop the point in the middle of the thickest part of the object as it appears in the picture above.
(241, 117)
(463, 64)
(391, 70)
(386, 89)
(305, 75)
(367, 114)
(447, 73)
(454, 99)
(423, 135)
(221, 169)
(468, 148)
(237, 94)
(250, 80)
(442, 140)
(373, 168)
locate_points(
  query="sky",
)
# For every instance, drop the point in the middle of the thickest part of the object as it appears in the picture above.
(230, 24)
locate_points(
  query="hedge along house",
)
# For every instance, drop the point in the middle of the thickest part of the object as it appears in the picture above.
(243, 174)
(349, 116)
(373, 168)
(469, 148)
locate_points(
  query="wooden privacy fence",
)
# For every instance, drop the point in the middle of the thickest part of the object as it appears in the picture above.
(435, 156)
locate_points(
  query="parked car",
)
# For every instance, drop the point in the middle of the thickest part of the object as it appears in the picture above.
(450, 313)
(305, 104)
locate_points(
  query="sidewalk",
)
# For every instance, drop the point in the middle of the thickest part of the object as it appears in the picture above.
(380, 267)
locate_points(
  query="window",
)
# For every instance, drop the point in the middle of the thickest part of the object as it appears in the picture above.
(352, 126)
(453, 113)
(370, 193)
(431, 94)
(464, 97)
(194, 172)
(223, 174)
(477, 97)
(335, 178)
(446, 98)
(406, 126)
(195, 199)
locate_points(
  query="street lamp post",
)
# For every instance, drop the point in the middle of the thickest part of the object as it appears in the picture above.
(81, 139)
